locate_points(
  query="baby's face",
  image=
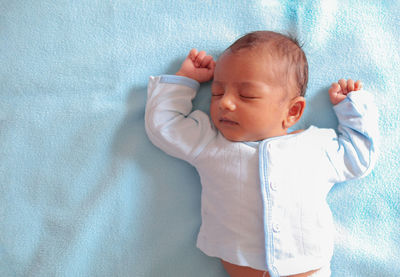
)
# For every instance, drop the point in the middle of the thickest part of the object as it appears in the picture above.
(248, 102)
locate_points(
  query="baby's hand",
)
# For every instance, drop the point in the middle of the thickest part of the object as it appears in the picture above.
(338, 91)
(198, 66)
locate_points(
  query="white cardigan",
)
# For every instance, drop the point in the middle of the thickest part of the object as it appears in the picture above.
(264, 203)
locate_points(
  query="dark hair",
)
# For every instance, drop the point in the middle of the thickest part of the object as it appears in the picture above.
(285, 47)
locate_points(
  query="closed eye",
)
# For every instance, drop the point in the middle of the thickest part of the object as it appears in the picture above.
(217, 89)
(248, 97)
(217, 93)
(248, 94)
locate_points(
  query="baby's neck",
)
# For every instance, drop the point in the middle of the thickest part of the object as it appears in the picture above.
(280, 135)
(295, 132)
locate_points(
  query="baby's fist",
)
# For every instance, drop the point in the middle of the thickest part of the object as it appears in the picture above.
(338, 91)
(198, 66)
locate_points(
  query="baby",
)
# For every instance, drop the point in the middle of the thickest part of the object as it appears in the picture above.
(264, 209)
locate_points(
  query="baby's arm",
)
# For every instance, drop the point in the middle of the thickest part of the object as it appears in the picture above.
(353, 151)
(170, 122)
(198, 66)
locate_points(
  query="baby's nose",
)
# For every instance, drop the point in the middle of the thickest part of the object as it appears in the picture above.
(227, 102)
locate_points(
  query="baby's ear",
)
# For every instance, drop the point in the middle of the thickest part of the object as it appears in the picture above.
(295, 111)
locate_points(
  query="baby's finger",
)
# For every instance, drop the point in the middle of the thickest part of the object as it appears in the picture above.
(193, 54)
(343, 85)
(334, 93)
(334, 87)
(212, 64)
(199, 58)
(206, 61)
(350, 85)
(358, 85)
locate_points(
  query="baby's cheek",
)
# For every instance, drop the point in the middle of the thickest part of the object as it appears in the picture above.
(213, 110)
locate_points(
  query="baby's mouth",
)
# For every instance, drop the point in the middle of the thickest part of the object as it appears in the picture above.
(227, 121)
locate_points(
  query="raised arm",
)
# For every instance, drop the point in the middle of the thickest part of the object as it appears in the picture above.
(169, 120)
(353, 152)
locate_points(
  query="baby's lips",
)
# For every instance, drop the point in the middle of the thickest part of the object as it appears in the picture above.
(227, 120)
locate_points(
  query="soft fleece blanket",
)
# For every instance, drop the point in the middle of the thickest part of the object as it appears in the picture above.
(82, 190)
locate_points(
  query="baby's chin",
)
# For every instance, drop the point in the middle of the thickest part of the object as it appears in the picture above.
(236, 137)
(230, 137)
(248, 137)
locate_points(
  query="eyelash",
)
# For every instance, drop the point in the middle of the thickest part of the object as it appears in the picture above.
(241, 96)
(247, 97)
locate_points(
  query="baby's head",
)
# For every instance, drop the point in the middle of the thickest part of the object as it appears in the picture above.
(259, 86)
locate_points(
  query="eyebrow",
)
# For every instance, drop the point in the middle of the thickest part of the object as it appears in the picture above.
(242, 84)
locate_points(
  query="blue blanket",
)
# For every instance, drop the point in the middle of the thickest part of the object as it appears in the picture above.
(82, 190)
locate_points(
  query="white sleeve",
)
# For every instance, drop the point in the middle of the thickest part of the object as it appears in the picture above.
(353, 152)
(170, 123)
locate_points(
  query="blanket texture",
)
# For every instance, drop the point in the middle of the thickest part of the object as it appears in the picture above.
(82, 190)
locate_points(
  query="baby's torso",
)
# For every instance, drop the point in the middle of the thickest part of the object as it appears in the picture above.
(232, 207)
(234, 201)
